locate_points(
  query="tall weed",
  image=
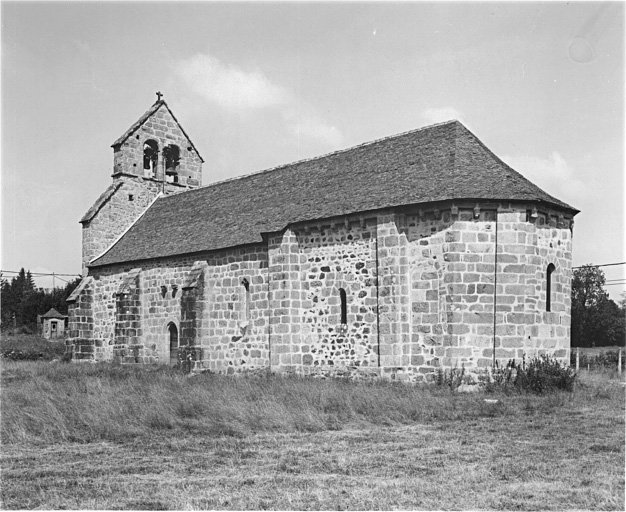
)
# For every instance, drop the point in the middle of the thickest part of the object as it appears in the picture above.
(46, 403)
(540, 375)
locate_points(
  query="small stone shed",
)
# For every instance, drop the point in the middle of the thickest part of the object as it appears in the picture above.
(53, 324)
(392, 258)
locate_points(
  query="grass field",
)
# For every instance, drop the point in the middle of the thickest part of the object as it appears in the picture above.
(106, 437)
(30, 347)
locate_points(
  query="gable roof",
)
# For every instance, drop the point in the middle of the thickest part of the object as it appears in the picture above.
(437, 163)
(149, 113)
(104, 197)
(53, 313)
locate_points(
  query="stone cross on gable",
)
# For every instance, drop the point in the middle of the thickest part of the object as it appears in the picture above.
(159, 95)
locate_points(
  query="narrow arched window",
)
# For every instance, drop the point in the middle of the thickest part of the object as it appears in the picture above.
(173, 334)
(344, 306)
(150, 156)
(171, 155)
(549, 272)
(245, 317)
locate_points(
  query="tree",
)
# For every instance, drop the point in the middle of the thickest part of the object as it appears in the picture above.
(596, 319)
(22, 302)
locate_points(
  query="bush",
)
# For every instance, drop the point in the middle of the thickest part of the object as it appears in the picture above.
(541, 375)
(451, 378)
(546, 374)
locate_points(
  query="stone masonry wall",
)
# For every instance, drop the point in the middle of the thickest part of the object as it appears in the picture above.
(238, 322)
(136, 188)
(193, 325)
(335, 257)
(123, 208)
(163, 129)
(230, 337)
(80, 343)
(129, 346)
(422, 290)
(428, 236)
(393, 292)
(284, 300)
(453, 300)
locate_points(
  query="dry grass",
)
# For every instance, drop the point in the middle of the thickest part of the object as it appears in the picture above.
(101, 437)
(30, 347)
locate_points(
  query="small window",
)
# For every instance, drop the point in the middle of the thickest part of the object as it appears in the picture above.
(549, 272)
(131, 197)
(344, 306)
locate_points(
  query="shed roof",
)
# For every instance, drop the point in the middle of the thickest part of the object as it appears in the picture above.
(437, 163)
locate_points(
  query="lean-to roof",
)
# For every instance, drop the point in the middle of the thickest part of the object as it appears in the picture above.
(436, 163)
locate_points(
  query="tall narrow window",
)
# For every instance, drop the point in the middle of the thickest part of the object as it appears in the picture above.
(150, 155)
(173, 333)
(245, 316)
(549, 272)
(344, 306)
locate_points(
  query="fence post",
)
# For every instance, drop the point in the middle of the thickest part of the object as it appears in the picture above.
(619, 361)
(577, 358)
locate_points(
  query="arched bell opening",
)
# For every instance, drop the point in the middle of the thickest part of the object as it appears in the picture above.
(171, 155)
(150, 157)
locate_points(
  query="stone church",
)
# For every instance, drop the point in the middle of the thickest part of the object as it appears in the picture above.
(393, 258)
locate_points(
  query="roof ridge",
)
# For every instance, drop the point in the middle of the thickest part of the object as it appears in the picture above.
(304, 160)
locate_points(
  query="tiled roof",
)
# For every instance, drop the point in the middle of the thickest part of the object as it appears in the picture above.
(53, 313)
(437, 163)
(145, 117)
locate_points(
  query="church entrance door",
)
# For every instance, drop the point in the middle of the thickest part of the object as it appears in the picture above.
(173, 332)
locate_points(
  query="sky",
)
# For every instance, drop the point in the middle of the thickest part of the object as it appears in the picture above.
(256, 85)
